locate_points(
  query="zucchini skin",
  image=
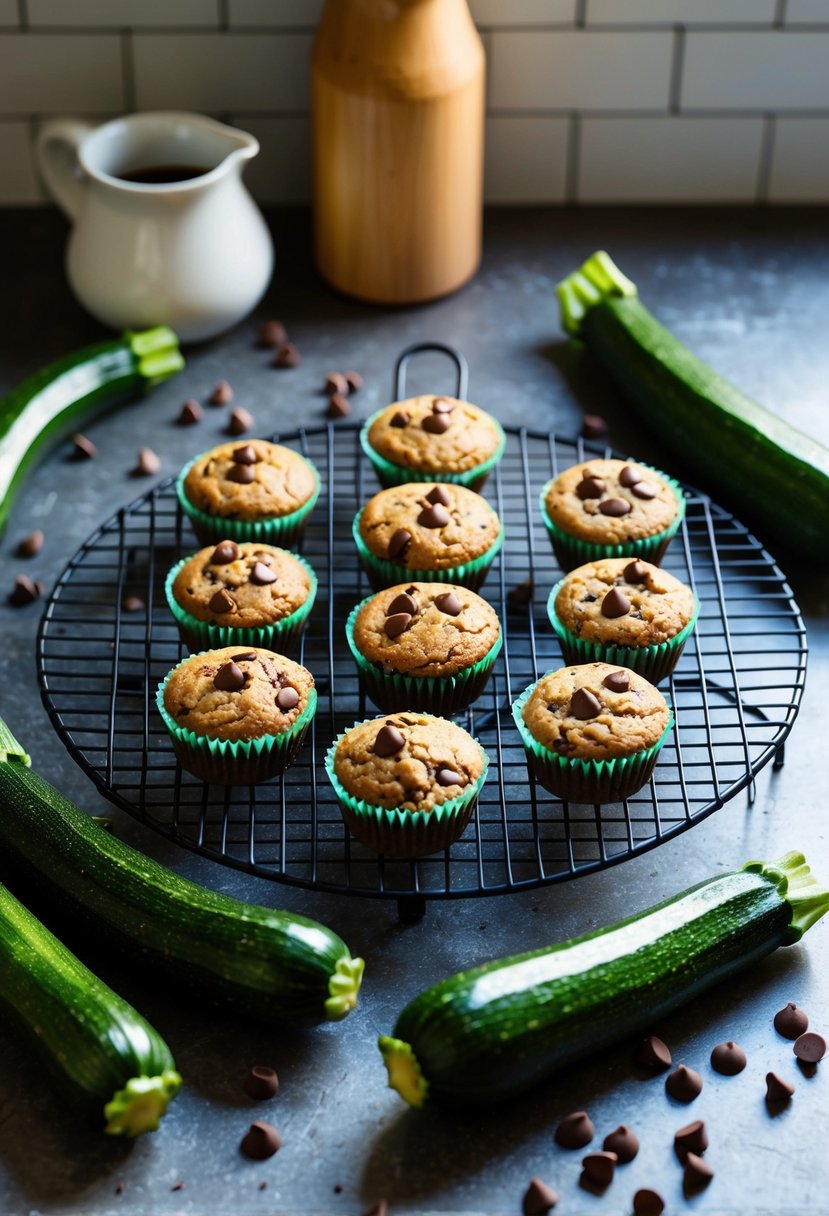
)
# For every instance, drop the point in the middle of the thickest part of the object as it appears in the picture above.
(257, 961)
(96, 1044)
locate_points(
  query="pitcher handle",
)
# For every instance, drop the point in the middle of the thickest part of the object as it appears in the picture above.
(57, 157)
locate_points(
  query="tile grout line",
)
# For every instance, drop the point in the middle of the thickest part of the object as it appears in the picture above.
(223, 14)
(23, 14)
(779, 18)
(580, 15)
(677, 65)
(572, 159)
(127, 71)
(766, 156)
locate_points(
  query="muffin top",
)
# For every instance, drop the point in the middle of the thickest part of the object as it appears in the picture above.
(624, 602)
(435, 434)
(249, 481)
(610, 502)
(242, 585)
(426, 629)
(595, 712)
(423, 527)
(410, 761)
(237, 694)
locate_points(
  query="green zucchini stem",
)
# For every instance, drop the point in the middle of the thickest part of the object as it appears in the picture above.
(404, 1071)
(156, 352)
(140, 1106)
(593, 282)
(799, 887)
(10, 749)
(344, 986)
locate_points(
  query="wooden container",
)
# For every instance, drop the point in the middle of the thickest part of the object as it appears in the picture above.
(398, 125)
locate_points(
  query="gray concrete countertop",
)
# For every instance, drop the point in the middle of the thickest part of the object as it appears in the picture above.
(749, 291)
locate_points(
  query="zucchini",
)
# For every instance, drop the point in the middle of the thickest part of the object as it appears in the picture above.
(57, 398)
(492, 1032)
(750, 458)
(253, 960)
(108, 1060)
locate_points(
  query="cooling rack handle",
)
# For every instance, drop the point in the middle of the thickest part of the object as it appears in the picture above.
(461, 367)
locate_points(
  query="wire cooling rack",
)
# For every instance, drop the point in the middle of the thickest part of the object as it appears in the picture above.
(735, 693)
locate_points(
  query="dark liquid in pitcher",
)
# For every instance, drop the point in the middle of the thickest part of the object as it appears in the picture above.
(156, 175)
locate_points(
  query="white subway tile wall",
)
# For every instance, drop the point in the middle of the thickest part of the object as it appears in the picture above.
(589, 101)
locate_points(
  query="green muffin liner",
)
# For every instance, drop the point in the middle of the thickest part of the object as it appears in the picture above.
(400, 833)
(586, 781)
(273, 530)
(571, 551)
(390, 474)
(202, 635)
(240, 762)
(395, 692)
(655, 662)
(382, 573)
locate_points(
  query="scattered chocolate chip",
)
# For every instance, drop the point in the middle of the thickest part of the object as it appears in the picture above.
(629, 476)
(262, 575)
(190, 413)
(389, 741)
(575, 1130)
(615, 507)
(402, 603)
(133, 603)
(263, 1186)
(435, 516)
(120, 1188)
(437, 424)
(30, 545)
(246, 454)
(354, 381)
(448, 776)
(260, 1141)
(698, 1173)
(400, 419)
(441, 405)
(728, 1058)
(287, 699)
(221, 601)
(583, 704)
(25, 591)
(810, 1047)
(590, 487)
(226, 551)
(84, 448)
(148, 464)
(791, 1022)
(240, 421)
(248, 656)
(684, 1084)
(648, 1203)
(397, 623)
(439, 494)
(337, 1188)
(645, 490)
(635, 572)
(272, 334)
(617, 681)
(335, 382)
(242, 474)
(229, 678)
(599, 1168)
(653, 1053)
(693, 1138)
(222, 394)
(177, 1186)
(778, 1090)
(338, 406)
(593, 426)
(623, 1142)
(449, 604)
(287, 356)
(615, 604)
(521, 594)
(399, 543)
(538, 1198)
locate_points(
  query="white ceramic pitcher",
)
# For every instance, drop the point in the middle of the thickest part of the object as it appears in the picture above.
(192, 254)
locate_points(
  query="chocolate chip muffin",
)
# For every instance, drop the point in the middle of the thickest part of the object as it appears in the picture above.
(592, 732)
(625, 611)
(438, 533)
(610, 508)
(236, 716)
(424, 646)
(407, 784)
(426, 438)
(256, 491)
(246, 594)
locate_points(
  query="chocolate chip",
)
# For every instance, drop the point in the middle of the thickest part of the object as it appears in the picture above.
(584, 704)
(629, 476)
(400, 419)
(810, 1047)
(287, 699)
(30, 545)
(575, 1130)
(222, 394)
(599, 1168)
(177, 1186)
(439, 494)
(221, 601)
(617, 681)
(593, 426)
(728, 1058)
(260, 1141)
(645, 489)
(226, 551)
(436, 424)
(245, 454)
(698, 1173)
(791, 1021)
(191, 412)
(648, 1203)
(133, 603)
(272, 334)
(287, 356)
(261, 1083)
(441, 405)
(229, 678)
(448, 776)
(354, 381)
(614, 507)
(248, 656)
(615, 604)
(389, 741)
(240, 420)
(590, 487)
(449, 604)
(84, 448)
(623, 1142)
(335, 382)
(653, 1053)
(25, 591)
(242, 474)
(399, 543)
(148, 464)
(262, 575)
(778, 1090)
(635, 572)
(435, 516)
(538, 1198)
(338, 406)
(402, 603)
(684, 1084)
(693, 1138)
(397, 623)
(521, 594)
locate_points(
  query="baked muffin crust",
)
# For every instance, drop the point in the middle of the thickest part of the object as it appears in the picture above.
(435, 434)
(660, 606)
(252, 599)
(428, 527)
(250, 481)
(583, 499)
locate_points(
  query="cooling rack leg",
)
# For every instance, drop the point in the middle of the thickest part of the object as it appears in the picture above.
(411, 909)
(779, 757)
